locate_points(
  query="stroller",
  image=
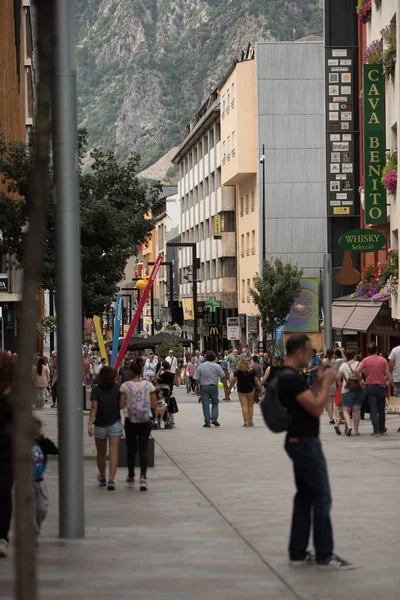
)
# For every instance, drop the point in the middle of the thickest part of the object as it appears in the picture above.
(163, 394)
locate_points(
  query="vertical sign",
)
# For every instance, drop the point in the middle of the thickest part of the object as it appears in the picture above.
(117, 327)
(232, 328)
(217, 226)
(374, 144)
(340, 131)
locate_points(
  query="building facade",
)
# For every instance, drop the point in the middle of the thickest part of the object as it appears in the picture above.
(208, 220)
(16, 121)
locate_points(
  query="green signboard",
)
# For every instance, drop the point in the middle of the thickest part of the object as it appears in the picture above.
(374, 144)
(362, 240)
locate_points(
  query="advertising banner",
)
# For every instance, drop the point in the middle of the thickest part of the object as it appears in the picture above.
(232, 328)
(374, 144)
(117, 327)
(188, 310)
(304, 315)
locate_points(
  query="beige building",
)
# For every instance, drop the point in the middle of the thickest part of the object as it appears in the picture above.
(239, 169)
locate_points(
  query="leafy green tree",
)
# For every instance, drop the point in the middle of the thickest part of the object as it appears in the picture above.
(114, 204)
(165, 347)
(275, 293)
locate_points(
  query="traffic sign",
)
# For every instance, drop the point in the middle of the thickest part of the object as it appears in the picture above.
(232, 326)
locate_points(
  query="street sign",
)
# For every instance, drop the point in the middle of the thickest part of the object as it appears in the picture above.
(362, 240)
(214, 330)
(232, 327)
(157, 324)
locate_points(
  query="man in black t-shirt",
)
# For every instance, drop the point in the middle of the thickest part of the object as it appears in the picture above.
(312, 501)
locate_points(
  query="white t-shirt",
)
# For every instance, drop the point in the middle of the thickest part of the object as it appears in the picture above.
(395, 356)
(172, 360)
(347, 370)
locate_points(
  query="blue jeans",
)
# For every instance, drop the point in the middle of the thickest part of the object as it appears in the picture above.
(313, 497)
(209, 393)
(376, 395)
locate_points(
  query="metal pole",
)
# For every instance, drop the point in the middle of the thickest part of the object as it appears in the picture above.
(171, 290)
(195, 303)
(263, 201)
(51, 313)
(69, 306)
(152, 310)
(327, 297)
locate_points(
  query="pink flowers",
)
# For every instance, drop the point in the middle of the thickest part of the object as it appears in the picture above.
(365, 12)
(390, 181)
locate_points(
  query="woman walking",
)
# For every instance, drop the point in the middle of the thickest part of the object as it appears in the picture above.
(41, 381)
(86, 363)
(246, 381)
(329, 360)
(137, 399)
(337, 363)
(191, 369)
(271, 370)
(352, 392)
(105, 417)
(7, 367)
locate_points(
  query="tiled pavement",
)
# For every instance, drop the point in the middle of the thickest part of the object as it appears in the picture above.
(215, 521)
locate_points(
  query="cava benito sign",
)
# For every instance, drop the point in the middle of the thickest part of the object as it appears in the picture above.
(362, 240)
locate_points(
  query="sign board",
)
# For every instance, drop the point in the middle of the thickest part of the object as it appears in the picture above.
(304, 314)
(158, 324)
(214, 330)
(217, 226)
(362, 240)
(232, 328)
(374, 144)
(252, 324)
(3, 283)
(340, 131)
(212, 304)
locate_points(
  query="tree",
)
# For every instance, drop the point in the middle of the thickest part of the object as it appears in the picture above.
(165, 347)
(275, 293)
(114, 204)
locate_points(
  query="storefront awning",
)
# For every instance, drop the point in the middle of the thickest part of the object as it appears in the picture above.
(354, 315)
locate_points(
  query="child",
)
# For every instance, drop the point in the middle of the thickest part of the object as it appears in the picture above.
(167, 378)
(160, 410)
(41, 448)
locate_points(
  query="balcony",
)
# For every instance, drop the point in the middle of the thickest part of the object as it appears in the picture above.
(248, 299)
(241, 213)
(228, 244)
(242, 253)
(253, 250)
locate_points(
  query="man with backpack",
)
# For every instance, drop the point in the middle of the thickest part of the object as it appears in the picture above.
(288, 394)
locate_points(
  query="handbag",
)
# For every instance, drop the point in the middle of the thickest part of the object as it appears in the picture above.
(338, 396)
(173, 405)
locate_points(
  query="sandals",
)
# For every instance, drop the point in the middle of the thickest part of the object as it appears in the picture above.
(348, 432)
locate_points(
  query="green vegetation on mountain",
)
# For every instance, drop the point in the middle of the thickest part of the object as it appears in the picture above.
(145, 66)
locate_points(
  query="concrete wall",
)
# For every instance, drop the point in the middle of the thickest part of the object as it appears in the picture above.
(291, 124)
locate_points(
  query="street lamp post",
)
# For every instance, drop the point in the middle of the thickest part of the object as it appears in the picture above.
(195, 262)
(262, 161)
(170, 265)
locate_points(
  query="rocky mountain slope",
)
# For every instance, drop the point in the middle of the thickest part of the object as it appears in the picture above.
(145, 66)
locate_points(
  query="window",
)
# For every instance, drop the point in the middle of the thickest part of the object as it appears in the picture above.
(228, 221)
(213, 269)
(248, 291)
(229, 267)
(243, 291)
(241, 206)
(253, 242)
(223, 105)
(223, 152)
(205, 188)
(210, 139)
(217, 133)
(228, 101)
(212, 183)
(207, 271)
(205, 143)
(247, 204)
(233, 142)
(252, 202)
(233, 95)
(247, 244)
(228, 146)
(242, 245)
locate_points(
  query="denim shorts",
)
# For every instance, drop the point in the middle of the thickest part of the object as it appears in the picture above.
(353, 398)
(102, 433)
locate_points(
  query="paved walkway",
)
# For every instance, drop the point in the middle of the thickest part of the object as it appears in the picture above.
(214, 524)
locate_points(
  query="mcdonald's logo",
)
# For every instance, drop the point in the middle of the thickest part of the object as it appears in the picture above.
(214, 330)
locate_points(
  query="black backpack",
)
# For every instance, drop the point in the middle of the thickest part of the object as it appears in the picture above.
(276, 416)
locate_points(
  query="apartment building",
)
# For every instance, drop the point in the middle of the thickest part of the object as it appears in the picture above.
(208, 220)
(239, 171)
(16, 121)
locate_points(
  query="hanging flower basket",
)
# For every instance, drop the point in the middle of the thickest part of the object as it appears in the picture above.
(390, 50)
(390, 181)
(364, 11)
(379, 282)
(373, 54)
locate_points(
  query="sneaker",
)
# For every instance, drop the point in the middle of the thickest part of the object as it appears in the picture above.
(102, 481)
(162, 424)
(245, 425)
(337, 429)
(111, 486)
(334, 562)
(250, 425)
(308, 560)
(348, 432)
(130, 481)
(143, 485)
(375, 433)
(383, 431)
(216, 424)
(3, 548)
(331, 422)
(207, 425)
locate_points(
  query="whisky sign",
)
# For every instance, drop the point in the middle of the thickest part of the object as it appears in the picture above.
(362, 240)
(374, 144)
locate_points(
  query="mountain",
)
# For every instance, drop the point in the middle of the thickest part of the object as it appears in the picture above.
(145, 66)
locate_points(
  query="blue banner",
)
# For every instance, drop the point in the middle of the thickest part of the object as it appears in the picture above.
(117, 327)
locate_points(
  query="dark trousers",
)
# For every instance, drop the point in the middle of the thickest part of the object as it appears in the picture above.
(137, 438)
(6, 483)
(376, 395)
(54, 392)
(312, 499)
